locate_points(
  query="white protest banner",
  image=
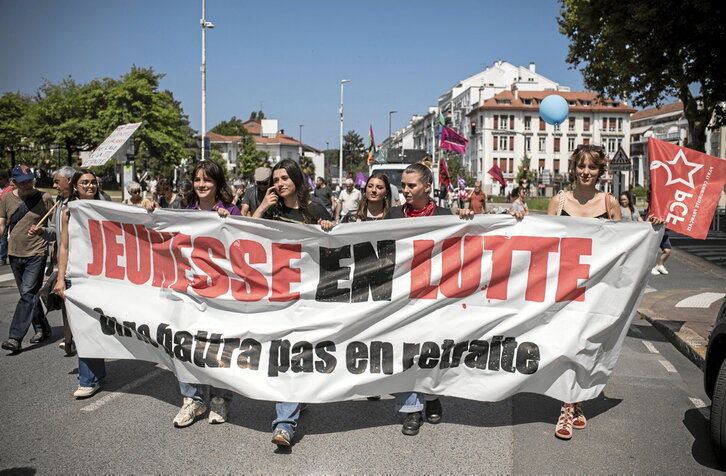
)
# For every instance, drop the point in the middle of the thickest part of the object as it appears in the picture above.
(111, 145)
(480, 309)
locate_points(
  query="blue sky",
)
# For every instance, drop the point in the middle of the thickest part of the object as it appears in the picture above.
(285, 57)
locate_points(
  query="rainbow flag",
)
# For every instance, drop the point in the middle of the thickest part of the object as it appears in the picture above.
(371, 146)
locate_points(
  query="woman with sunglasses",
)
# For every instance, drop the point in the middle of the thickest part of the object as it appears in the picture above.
(134, 189)
(91, 372)
(288, 199)
(376, 200)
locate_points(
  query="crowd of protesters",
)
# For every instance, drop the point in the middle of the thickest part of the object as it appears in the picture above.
(37, 228)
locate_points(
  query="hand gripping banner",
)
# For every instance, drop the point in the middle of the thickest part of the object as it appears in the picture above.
(480, 309)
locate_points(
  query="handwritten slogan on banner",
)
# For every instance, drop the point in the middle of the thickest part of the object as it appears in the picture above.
(480, 309)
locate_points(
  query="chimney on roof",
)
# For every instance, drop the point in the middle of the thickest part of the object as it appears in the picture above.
(516, 92)
(532, 66)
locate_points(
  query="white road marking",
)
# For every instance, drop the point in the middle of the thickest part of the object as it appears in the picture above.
(668, 366)
(7, 277)
(649, 289)
(703, 300)
(700, 406)
(650, 347)
(125, 389)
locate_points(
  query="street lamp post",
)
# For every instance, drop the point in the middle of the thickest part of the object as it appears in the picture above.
(340, 162)
(205, 24)
(390, 113)
(300, 135)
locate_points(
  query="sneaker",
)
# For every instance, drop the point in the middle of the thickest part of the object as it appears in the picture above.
(654, 271)
(85, 392)
(563, 429)
(661, 269)
(579, 422)
(281, 437)
(189, 411)
(433, 411)
(12, 345)
(218, 410)
(39, 337)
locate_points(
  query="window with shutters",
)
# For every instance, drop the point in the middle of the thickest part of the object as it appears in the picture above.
(496, 122)
(570, 144)
(528, 144)
(585, 141)
(542, 144)
(541, 124)
(511, 165)
(556, 165)
(527, 123)
(511, 143)
(620, 124)
(586, 124)
(541, 164)
(612, 122)
(503, 122)
(503, 143)
(571, 125)
(511, 123)
(557, 144)
(494, 142)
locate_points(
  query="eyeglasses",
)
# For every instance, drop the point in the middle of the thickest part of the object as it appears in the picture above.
(86, 183)
(588, 147)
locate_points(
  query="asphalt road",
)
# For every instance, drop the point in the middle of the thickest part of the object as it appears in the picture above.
(650, 419)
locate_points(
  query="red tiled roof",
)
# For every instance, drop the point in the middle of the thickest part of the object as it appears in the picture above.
(214, 137)
(656, 111)
(255, 129)
(596, 104)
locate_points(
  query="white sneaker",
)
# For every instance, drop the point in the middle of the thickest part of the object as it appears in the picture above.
(218, 410)
(85, 392)
(655, 271)
(661, 269)
(189, 411)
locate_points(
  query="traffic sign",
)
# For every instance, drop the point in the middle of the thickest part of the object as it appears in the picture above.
(620, 162)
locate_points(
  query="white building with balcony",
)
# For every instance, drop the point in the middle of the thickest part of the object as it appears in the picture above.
(508, 129)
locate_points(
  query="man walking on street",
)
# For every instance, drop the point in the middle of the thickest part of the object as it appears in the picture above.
(19, 211)
(348, 200)
(477, 199)
(5, 187)
(323, 192)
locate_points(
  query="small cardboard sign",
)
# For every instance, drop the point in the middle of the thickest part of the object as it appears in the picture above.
(111, 145)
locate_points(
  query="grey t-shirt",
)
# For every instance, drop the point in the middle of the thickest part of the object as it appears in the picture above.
(252, 198)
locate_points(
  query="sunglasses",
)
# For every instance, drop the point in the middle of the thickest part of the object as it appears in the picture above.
(588, 147)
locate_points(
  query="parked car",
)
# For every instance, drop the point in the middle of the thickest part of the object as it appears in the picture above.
(714, 380)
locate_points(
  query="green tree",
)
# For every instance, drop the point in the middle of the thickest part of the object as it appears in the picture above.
(64, 115)
(257, 115)
(453, 163)
(307, 166)
(648, 50)
(164, 136)
(524, 171)
(354, 153)
(233, 127)
(13, 124)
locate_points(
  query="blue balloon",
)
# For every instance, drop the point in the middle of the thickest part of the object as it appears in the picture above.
(553, 109)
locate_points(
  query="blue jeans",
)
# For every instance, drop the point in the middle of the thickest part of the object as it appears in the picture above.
(287, 416)
(411, 402)
(91, 371)
(202, 392)
(28, 274)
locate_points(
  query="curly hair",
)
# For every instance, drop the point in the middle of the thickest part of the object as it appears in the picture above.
(595, 153)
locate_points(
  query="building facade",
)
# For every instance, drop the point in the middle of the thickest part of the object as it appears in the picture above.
(506, 129)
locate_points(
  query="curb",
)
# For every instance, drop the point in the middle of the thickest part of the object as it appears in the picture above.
(690, 344)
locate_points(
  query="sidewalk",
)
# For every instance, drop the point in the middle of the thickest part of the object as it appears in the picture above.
(683, 305)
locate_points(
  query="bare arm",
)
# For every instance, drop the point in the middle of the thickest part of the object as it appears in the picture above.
(554, 203)
(614, 207)
(60, 282)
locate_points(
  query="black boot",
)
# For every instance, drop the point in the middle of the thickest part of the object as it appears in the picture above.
(411, 423)
(433, 411)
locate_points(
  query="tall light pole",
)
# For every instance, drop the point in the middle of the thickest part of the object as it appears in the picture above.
(205, 24)
(340, 163)
(300, 136)
(390, 113)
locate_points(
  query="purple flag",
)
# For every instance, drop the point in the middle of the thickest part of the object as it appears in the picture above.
(311, 184)
(360, 180)
(451, 140)
(462, 184)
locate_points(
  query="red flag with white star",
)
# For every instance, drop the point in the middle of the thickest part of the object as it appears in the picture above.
(685, 186)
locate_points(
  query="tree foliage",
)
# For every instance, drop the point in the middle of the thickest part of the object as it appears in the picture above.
(307, 166)
(249, 157)
(233, 127)
(257, 115)
(354, 153)
(648, 50)
(13, 124)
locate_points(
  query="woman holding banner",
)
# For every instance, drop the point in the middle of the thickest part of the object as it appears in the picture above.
(376, 200)
(209, 193)
(416, 183)
(91, 372)
(587, 165)
(288, 199)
